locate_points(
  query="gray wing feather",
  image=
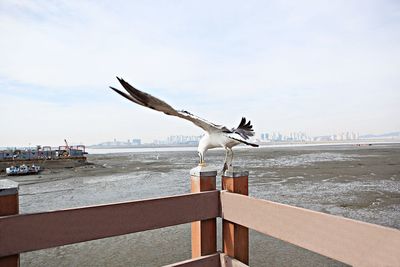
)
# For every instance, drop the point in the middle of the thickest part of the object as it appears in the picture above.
(202, 123)
(149, 101)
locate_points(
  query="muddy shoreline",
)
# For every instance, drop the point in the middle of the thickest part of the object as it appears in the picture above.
(362, 183)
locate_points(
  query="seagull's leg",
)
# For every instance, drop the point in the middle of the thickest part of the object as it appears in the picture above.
(231, 159)
(201, 163)
(225, 161)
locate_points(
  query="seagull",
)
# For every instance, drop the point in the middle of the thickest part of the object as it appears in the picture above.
(215, 135)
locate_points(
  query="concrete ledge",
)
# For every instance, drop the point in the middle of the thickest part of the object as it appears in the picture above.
(235, 173)
(8, 187)
(203, 171)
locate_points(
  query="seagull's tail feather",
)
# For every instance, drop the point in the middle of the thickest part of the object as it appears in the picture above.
(243, 141)
(245, 129)
(251, 144)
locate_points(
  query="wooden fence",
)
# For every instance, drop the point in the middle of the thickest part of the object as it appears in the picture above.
(349, 241)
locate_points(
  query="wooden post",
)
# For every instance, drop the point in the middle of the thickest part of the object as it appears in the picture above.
(204, 233)
(236, 237)
(9, 205)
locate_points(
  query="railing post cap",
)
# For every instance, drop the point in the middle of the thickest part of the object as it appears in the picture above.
(8, 187)
(203, 171)
(235, 173)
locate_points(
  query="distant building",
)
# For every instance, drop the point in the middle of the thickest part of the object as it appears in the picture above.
(182, 140)
(116, 143)
(293, 136)
(264, 136)
(136, 142)
(344, 136)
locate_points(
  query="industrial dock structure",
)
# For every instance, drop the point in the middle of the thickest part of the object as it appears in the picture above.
(62, 156)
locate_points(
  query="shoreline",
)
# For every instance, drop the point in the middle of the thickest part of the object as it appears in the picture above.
(361, 183)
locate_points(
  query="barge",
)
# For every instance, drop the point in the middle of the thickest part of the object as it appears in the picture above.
(46, 156)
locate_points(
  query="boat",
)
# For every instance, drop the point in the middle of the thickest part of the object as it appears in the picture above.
(23, 170)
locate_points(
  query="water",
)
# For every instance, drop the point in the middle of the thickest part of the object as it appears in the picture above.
(356, 182)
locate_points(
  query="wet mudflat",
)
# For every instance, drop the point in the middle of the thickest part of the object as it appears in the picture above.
(362, 183)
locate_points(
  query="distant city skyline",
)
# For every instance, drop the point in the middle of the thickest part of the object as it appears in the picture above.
(318, 67)
(263, 137)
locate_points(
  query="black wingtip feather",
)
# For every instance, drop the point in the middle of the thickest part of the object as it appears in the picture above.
(121, 93)
(129, 97)
(245, 125)
(112, 88)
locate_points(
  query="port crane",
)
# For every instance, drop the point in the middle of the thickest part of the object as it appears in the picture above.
(65, 149)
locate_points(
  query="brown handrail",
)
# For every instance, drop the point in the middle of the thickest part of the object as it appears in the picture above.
(29, 232)
(214, 260)
(349, 241)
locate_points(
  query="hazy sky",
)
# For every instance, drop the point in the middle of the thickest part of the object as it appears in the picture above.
(320, 67)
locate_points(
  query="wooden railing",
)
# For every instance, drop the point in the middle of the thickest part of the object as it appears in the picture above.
(29, 232)
(349, 241)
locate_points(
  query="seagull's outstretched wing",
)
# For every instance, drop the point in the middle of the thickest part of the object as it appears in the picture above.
(147, 100)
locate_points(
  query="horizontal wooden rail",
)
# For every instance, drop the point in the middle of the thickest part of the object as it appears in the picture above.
(213, 260)
(227, 261)
(28, 232)
(349, 241)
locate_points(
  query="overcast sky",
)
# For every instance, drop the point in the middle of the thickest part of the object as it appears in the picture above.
(321, 67)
